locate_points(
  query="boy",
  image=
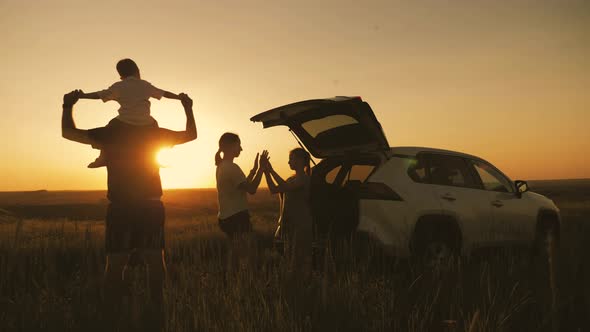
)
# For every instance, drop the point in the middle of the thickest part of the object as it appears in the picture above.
(133, 94)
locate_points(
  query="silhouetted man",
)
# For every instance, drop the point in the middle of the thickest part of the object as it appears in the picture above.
(135, 214)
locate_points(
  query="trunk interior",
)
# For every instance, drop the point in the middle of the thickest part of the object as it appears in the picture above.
(335, 193)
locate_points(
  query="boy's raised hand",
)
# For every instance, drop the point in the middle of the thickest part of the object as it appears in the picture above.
(186, 101)
(72, 97)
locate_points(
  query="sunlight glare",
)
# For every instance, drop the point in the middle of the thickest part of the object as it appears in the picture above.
(164, 157)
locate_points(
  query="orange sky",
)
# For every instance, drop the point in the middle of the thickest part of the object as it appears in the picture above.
(505, 80)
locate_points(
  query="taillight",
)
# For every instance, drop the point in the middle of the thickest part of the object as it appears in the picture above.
(378, 191)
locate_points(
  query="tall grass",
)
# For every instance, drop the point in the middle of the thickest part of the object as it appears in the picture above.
(51, 279)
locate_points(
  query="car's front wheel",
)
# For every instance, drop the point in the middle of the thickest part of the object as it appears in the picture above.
(545, 258)
(546, 239)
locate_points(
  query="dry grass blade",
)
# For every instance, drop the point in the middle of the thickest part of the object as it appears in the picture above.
(474, 322)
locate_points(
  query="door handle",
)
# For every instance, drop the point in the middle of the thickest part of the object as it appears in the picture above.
(448, 197)
(497, 203)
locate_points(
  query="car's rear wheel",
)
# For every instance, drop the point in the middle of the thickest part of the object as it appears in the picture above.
(437, 253)
(436, 244)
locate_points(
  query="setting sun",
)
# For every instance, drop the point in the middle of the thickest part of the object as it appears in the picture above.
(163, 157)
(182, 167)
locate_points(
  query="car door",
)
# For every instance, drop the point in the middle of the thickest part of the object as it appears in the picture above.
(330, 127)
(513, 219)
(456, 188)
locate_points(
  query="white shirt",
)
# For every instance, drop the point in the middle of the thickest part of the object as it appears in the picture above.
(133, 95)
(231, 199)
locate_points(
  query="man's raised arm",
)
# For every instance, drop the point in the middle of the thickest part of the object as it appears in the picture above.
(68, 127)
(190, 132)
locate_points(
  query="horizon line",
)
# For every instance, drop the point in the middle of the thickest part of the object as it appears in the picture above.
(209, 188)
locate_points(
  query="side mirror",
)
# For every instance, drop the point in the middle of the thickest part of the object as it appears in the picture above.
(521, 187)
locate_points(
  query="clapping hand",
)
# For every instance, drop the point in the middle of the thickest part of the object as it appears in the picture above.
(265, 161)
(255, 168)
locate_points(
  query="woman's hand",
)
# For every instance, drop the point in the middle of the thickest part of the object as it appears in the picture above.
(255, 168)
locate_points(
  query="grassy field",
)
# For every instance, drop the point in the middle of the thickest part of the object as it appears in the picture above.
(52, 258)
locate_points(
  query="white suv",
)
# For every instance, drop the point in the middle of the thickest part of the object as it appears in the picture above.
(412, 200)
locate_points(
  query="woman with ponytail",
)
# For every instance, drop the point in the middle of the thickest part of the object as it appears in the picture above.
(295, 222)
(232, 186)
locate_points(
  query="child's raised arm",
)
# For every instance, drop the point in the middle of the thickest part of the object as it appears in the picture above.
(91, 95)
(170, 95)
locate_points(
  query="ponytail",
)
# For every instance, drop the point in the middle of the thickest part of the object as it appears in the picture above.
(308, 168)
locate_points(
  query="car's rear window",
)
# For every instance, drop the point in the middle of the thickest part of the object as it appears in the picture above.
(331, 176)
(317, 126)
(359, 173)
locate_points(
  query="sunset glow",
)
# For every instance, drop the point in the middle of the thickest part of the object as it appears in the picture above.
(502, 80)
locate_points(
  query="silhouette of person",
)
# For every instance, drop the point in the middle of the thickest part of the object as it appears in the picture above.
(135, 215)
(133, 94)
(232, 186)
(295, 225)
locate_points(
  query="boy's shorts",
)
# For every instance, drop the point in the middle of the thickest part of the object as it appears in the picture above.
(137, 225)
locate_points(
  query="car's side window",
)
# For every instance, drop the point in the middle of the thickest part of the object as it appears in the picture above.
(450, 171)
(491, 179)
(417, 169)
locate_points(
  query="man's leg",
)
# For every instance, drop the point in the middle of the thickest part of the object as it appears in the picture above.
(156, 275)
(156, 269)
(116, 288)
